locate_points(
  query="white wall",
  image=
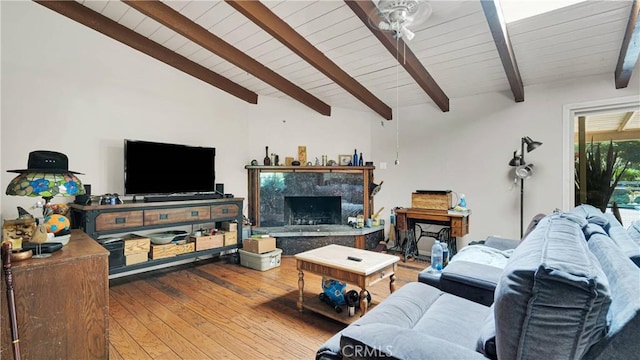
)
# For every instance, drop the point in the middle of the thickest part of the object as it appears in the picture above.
(468, 149)
(73, 90)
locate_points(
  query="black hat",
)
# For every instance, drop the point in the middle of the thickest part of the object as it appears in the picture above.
(44, 161)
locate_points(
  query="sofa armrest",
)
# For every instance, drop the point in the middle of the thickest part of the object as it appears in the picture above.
(390, 341)
(427, 276)
(471, 274)
(330, 350)
(472, 281)
(501, 243)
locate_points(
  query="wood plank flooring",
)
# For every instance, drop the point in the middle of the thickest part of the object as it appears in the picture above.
(220, 310)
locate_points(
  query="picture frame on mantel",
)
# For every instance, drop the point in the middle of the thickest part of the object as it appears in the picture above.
(344, 160)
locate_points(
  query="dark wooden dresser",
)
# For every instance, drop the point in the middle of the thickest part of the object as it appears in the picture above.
(62, 304)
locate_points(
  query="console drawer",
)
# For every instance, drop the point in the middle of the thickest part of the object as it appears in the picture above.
(176, 215)
(118, 220)
(224, 211)
(459, 227)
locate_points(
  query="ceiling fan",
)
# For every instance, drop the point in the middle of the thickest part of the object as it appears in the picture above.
(398, 15)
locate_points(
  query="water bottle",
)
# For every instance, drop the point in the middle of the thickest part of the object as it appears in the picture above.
(436, 256)
(445, 253)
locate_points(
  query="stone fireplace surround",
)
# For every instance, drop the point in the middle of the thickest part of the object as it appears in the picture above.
(295, 239)
(306, 207)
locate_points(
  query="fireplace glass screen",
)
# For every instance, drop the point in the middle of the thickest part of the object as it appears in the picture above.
(291, 198)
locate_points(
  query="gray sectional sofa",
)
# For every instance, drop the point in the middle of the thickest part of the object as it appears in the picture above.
(569, 291)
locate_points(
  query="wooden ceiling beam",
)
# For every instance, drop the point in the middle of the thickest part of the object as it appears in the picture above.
(630, 49)
(279, 29)
(179, 23)
(625, 121)
(404, 55)
(498, 27)
(614, 135)
(112, 29)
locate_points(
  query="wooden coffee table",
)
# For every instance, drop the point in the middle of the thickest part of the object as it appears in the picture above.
(333, 261)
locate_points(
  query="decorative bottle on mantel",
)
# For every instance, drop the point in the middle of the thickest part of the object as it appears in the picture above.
(267, 159)
(360, 160)
(355, 157)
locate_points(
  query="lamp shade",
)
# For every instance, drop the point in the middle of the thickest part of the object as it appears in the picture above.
(46, 185)
(524, 171)
(516, 160)
(531, 144)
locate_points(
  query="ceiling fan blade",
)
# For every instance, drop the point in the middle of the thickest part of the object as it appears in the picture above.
(422, 13)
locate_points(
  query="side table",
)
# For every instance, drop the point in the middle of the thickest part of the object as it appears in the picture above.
(62, 303)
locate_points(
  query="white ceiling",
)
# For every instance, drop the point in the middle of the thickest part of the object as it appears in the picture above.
(455, 45)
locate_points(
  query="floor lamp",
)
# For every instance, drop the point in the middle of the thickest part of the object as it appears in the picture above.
(523, 171)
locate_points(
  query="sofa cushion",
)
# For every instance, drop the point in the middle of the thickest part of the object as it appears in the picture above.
(420, 308)
(404, 308)
(592, 214)
(624, 241)
(451, 315)
(552, 299)
(532, 224)
(621, 342)
(487, 341)
(386, 341)
(634, 231)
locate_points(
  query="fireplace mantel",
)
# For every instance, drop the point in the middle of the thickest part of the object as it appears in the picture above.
(356, 189)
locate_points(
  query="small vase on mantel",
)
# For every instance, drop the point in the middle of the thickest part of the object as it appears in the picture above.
(267, 159)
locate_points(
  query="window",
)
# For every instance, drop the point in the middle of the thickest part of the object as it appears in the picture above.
(606, 147)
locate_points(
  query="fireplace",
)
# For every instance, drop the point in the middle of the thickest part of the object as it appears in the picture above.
(312, 210)
(305, 207)
(289, 195)
(312, 196)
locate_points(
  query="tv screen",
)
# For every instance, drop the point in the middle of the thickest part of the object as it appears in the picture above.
(161, 168)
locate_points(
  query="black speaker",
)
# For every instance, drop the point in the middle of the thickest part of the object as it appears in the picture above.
(86, 198)
(220, 189)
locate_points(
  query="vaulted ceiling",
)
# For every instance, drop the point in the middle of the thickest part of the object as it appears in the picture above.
(326, 54)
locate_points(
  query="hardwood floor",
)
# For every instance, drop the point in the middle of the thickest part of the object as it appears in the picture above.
(219, 310)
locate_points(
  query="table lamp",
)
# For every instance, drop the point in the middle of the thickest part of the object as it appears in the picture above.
(47, 175)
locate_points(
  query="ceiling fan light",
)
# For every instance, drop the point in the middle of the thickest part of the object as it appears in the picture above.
(398, 15)
(406, 33)
(384, 25)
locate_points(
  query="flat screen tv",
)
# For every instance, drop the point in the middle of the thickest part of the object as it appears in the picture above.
(162, 168)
